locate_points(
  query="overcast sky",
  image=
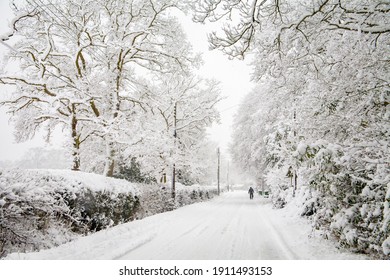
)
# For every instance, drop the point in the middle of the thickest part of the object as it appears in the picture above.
(233, 75)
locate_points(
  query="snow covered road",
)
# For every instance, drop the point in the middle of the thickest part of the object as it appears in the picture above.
(228, 227)
(231, 227)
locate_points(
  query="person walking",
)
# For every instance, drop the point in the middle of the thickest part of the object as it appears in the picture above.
(251, 191)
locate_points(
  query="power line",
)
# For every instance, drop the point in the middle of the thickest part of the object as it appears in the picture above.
(70, 24)
(227, 109)
(37, 65)
(60, 23)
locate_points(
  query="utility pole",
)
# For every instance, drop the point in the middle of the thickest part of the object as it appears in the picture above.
(219, 155)
(174, 147)
(295, 139)
(227, 179)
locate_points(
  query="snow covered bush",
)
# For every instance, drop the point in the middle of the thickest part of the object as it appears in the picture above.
(45, 208)
(359, 221)
(354, 198)
(97, 210)
(195, 193)
(32, 214)
(154, 199)
(346, 197)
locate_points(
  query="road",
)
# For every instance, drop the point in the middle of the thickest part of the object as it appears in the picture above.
(232, 227)
(228, 227)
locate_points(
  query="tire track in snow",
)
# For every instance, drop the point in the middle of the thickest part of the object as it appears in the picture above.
(182, 230)
(279, 239)
(208, 229)
(134, 246)
(234, 225)
(229, 228)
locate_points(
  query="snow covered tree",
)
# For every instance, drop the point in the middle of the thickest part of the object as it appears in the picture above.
(326, 62)
(138, 38)
(53, 86)
(182, 106)
(80, 62)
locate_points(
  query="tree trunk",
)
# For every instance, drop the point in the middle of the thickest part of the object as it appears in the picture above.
(76, 141)
(110, 161)
(295, 182)
(110, 151)
(173, 189)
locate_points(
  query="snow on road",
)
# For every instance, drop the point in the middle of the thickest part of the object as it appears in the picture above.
(228, 227)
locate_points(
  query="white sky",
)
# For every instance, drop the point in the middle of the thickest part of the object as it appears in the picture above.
(233, 75)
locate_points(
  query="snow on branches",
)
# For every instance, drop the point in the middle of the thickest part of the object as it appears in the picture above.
(320, 114)
(88, 67)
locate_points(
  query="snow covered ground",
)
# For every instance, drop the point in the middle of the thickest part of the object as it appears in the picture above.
(228, 227)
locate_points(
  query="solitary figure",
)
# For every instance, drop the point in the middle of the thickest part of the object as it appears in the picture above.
(251, 191)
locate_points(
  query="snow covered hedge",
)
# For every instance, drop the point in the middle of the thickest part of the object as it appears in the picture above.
(154, 200)
(45, 208)
(353, 195)
(347, 197)
(41, 209)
